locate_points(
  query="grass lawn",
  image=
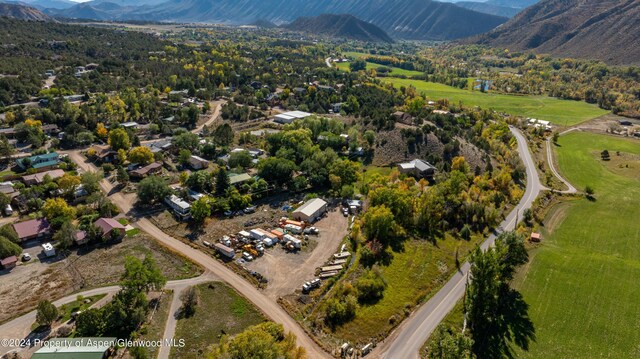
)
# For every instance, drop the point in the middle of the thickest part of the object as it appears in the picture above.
(66, 310)
(412, 276)
(220, 311)
(154, 329)
(559, 112)
(344, 66)
(582, 283)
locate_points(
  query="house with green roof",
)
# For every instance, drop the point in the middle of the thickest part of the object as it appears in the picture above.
(76, 348)
(39, 162)
(237, 179)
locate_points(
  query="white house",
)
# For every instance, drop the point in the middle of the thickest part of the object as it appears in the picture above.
(198, 163)
(180, 207)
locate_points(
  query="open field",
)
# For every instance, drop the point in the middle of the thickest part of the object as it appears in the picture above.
(582, 283)
(85, 268)
(220, 311)
(344, 66)
(559, 112)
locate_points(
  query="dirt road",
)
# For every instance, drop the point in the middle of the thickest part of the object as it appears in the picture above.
(268, 306)
(217, 106)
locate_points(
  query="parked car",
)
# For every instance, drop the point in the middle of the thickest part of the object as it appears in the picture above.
(26, 257)
(311, 230)
(228, 213)
(247, 257)
(311, 285)
(345, 212)
(251, 209)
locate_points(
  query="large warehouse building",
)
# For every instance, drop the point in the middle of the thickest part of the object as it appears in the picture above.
(311, 211)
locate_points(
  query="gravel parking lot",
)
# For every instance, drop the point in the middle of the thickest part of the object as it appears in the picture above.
(286, 271)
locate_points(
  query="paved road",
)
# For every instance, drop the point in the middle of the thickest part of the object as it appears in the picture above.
(21, 327)
(406, 341)
(328, 61)
(269, 307)
(552, 166)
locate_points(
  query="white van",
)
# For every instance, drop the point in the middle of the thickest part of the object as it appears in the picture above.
(8, 210)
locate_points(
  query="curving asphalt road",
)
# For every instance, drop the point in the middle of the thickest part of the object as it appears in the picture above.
(406, 341)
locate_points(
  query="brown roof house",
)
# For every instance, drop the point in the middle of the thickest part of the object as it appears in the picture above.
(9, 262)
(149, 169)
(105, 153)
(32, 229)
(38, 178)
(110, 228)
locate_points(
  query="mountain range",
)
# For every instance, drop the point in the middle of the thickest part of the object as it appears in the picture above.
(347, 26)
(488, 8)
(600, 29)
(402, 19)
(22, 12)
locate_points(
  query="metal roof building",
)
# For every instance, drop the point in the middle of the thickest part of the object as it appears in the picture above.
(311, 210)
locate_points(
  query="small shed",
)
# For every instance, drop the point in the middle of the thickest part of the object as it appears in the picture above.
(9, 262)
(535, 237)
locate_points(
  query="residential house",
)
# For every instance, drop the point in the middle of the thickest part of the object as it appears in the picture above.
(403, 117)
(110, 228)
(180, 207)
(152, 168)
(198, 163)
(417, 168)
(7, 189)
(105, 154)
(85, 348)
(311, 211)
(336, 107)
(39, 162)
(38, 178)
(9, 262)
(256, 85)
(160, 146)
(130, 125)
(32, 229)
(238, 179)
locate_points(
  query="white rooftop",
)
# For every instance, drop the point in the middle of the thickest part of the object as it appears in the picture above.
(311, 207)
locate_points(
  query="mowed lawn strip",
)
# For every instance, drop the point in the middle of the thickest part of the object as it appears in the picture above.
(558, 111)
(344, 66)
(220, 310)
(582, 283)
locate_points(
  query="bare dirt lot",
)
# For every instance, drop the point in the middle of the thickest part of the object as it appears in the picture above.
(287, 272)
(23, 287)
